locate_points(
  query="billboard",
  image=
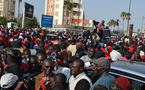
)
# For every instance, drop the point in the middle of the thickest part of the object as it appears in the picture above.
(29, 10)
(46, 21)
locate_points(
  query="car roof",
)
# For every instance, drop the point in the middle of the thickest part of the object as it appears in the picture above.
(131, 70)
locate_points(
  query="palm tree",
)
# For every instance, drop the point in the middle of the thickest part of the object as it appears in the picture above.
(112, 23)
(128, 17)
(123, 16)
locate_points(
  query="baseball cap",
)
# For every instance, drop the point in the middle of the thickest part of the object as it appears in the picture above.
(8, 80)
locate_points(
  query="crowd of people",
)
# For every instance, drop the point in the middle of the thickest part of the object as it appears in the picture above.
(32, 60)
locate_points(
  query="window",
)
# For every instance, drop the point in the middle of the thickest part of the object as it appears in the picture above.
(56, 13)
(56, 21)
(1, 6)
(75, 13)
(57, 5)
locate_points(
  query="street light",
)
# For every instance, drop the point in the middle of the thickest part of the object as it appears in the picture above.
(128, 19)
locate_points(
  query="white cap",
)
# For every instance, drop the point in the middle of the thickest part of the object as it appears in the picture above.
(8, 80)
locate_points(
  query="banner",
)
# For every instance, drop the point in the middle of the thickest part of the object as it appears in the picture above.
(29, 10)
(46, 21)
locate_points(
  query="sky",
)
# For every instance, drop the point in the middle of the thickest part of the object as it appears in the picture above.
(39, 6)
(111, 9)
(103, 10)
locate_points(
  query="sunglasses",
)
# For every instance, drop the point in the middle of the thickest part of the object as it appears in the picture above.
(48, 67)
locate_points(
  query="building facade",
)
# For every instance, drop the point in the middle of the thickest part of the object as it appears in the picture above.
(7, 8)
(64, 17)
(49, 7)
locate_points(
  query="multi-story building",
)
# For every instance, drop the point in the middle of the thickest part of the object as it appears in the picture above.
(7, 8)
(49, 7)
(63, 17)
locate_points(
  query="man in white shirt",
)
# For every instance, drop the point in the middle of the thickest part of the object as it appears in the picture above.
(115, 55)
(79, 77)
(72, 47)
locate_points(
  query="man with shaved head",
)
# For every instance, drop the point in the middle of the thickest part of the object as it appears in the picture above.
(78, 76)
(43, 80)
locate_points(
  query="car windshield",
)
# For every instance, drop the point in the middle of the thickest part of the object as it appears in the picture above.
(131, 70)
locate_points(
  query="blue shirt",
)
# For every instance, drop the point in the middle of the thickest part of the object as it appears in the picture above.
(106, 80)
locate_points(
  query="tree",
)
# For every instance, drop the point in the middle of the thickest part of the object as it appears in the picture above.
(68, 6)
(128, 16)
(3, 21)
(12, 20)
(123, 16)
(112, 23)
(31, 23)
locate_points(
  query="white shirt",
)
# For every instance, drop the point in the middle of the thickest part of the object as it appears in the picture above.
(72, 48)
(115, 55)
(74, 80)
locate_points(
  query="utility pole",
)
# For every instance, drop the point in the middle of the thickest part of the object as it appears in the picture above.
(142, 24)
(128, 19)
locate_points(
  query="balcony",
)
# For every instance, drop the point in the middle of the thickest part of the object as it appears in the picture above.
(76, 9)
(76, 1)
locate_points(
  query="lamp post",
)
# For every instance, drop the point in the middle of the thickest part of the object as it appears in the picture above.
(128, 19)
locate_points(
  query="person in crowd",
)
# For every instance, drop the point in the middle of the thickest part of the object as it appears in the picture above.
(72, 47)
(78, 76)
(41, 55)
(64, 53)
(16, 43)
(44, 80)
(115, 54)
(126, 57)
(24, 61)
(89, 56)
(13, 65)
(78, 54)
(34, 65)
(100, 29)
(64, 68)
(9, 82)
(60, 82)
(99, 53)
(102, 67)
(122, 83)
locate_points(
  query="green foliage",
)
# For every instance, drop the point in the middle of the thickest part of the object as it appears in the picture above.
(12, 20)
(112, 23)
(31, 23)
(68, 5)
(125, 16)
(3, 21)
